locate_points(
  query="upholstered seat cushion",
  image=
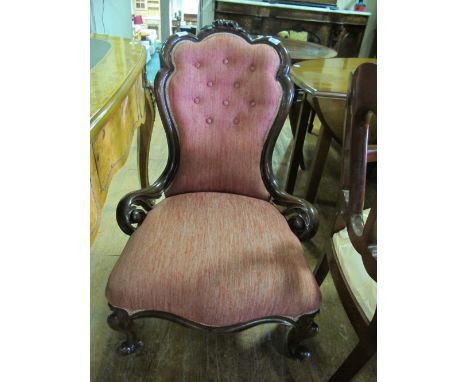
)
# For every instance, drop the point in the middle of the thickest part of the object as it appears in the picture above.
(214, 258)
(362, 285)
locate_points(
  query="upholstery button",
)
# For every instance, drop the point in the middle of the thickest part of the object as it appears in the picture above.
(197, 65)
(210, 83)
(209, 120)
(225, 61)
(196, 100)
(236, 121)
(252, 103)
(252, 68)
(225, 102)
(236, 84)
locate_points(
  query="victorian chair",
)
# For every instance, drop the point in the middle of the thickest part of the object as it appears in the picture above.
(216, 253)
(353, 259)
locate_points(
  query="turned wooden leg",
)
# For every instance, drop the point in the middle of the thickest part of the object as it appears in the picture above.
(311, 123)
(305, 327)
(120, 321)
(299, 137)
(294, 114)
(144, 139)
(321, 270)
(320, 156)
(355, 361)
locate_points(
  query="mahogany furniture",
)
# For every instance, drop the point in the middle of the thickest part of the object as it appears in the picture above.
(305, 50)
(353, 259)
(299, 51)
(121, 102)
(325, 83)
(222, 251)
(341, 30)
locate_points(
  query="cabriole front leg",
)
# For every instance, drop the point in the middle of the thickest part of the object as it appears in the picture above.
(120, 321)
(305, 328)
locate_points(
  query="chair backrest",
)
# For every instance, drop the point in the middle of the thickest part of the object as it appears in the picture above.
(137, 19)
(222, 91)
(361, 105)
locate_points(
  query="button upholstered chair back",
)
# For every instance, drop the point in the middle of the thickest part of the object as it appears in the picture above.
(220, 92)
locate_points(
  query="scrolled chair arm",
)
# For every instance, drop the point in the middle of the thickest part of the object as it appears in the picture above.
(301, 215)
(133, 207)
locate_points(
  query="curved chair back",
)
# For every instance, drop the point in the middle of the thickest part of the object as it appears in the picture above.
(362, 104)
(222, 91)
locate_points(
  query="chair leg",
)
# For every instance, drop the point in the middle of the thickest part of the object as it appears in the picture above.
(321, 270)
(320, 156)
(294, 115)
(355, 361)
(119, 320)
(300, 133)
(305, 327)
(311, 124)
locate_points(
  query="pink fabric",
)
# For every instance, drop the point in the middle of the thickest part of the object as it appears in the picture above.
(215, 258)
(223, 97)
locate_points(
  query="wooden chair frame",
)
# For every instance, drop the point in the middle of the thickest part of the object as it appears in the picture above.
(301, 215)
(362, 103)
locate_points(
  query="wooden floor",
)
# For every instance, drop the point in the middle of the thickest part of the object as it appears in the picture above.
(174, 353)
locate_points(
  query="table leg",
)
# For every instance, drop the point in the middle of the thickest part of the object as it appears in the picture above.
(299, 137)
(294, 115)
(144, 138)
(318, 163)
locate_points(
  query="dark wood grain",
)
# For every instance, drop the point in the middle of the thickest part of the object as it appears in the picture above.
(362, 103)
(342, 32)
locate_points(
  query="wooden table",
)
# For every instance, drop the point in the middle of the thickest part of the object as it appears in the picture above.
(305, 50)
(120, 103)
(342, 30)
(326, 83)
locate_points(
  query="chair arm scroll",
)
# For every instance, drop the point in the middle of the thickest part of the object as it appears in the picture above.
(301, 215)
(133, 207)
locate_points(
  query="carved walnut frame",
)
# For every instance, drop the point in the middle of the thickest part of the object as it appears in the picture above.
(302, 217)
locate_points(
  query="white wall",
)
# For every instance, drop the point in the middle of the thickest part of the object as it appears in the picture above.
(190, 6)
(205, 13)
(114, 18)
(371, 6)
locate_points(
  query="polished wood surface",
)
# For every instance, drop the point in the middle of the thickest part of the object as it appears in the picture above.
(341, 30)
(326, 83)
(362, 102)
(322, 77)
(118, 105)
(305, 50)
(112, 77)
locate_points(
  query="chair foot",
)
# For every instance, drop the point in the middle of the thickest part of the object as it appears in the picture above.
(120, 321)
(305, 327)
(127, 348)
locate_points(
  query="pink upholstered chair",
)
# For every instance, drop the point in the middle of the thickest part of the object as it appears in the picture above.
(216, 253)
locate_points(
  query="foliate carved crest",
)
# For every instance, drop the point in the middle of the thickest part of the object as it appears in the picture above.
(226, 23)
(223, 25)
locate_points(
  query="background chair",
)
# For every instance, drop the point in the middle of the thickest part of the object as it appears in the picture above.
(332, 121)
(217, 254)
(353, 259)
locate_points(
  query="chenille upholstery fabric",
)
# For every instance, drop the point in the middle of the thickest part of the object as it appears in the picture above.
(223, 97)
(214, 258)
